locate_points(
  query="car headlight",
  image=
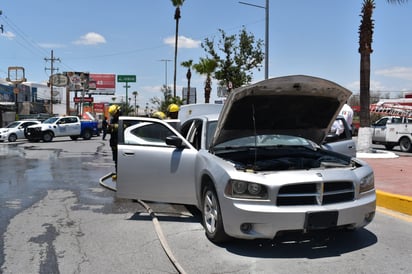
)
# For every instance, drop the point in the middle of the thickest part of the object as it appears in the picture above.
(367, 183)
(246, 190)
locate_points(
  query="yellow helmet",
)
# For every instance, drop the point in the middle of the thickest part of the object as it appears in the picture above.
(113, 109)
(173, 108)
(159, 115)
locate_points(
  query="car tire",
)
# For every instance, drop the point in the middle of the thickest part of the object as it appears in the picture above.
(405, 144)
(212, 216)
(87, 134)
(47, 137)
(12, 137)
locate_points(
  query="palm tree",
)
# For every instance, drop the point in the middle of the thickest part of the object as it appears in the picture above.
(206, 67)
(188, 64)
(365, 50)
(177, 4)
(135, 93)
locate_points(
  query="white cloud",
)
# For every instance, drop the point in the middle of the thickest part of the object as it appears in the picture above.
(374, 86)
(183, 42)
(91, 38)
(8, 35)
(51, 45)
(397, 72)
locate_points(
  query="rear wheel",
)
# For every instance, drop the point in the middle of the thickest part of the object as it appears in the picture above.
(12, 137)
(212, 216)
(405, 144)
(87, 134)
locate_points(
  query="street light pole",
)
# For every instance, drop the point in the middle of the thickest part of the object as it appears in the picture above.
(266, 7)
(166, 60)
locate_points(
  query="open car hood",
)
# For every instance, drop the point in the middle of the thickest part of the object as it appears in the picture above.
(296, 105)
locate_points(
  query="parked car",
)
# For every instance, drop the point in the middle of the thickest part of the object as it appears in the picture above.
(256, 171)
(15, 130)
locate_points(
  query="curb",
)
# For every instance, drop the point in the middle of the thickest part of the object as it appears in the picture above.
(394, 202)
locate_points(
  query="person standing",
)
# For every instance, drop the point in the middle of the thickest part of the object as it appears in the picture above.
(114, 111)
(104, 127)
(347, 113)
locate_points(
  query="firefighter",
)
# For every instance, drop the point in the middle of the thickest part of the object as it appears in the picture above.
(159, 115)
(114, 111)
(172, 111)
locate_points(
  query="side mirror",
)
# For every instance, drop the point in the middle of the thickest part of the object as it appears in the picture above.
(175, 141)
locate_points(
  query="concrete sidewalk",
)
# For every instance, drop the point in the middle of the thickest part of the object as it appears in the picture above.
(393, 180)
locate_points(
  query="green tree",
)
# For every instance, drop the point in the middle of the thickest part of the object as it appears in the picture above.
(163, 103)
(206, 67)
(177, 4)
(236, 57)
(365, 50)
(188, 64)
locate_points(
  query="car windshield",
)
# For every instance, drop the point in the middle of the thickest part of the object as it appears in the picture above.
(13, 125)
(267, 140)
(50, 120)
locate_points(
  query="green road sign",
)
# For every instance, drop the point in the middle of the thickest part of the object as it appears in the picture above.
(126, 78)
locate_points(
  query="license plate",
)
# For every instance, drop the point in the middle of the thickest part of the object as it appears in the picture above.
(321, 220)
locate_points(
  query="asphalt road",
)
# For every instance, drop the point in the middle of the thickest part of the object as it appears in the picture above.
(56, 218)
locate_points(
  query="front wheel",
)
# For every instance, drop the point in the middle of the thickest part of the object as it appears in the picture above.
(212, 216)
(405, 144)
(47, 137)
(12, 138)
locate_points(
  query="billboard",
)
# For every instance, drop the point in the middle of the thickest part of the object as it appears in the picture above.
(102, 84)
(192, 96)
(78, 81)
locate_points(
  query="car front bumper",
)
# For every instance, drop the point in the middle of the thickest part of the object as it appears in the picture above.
(252, 220)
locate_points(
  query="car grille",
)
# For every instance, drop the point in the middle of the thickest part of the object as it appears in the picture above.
(316, 193)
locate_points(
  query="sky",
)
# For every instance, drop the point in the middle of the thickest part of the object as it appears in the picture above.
(135, 37)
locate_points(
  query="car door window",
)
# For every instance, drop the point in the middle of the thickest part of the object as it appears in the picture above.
(146, 133)
(192, 130)
(382, 122)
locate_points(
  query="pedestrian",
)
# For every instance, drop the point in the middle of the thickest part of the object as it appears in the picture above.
(347, 113)
(114, 111)
(105, 124)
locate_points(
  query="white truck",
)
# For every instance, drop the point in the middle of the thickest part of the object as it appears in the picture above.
(392, 131)
(70, 126)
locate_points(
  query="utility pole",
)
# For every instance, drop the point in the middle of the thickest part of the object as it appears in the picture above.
(52, 59)
(266, 7)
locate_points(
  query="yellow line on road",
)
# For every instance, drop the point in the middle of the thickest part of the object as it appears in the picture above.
(395, 214)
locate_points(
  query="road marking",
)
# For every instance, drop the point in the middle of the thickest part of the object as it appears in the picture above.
(395, 214)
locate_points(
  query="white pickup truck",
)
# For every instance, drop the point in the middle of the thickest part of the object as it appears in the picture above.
(71, 126)
(392, 131)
